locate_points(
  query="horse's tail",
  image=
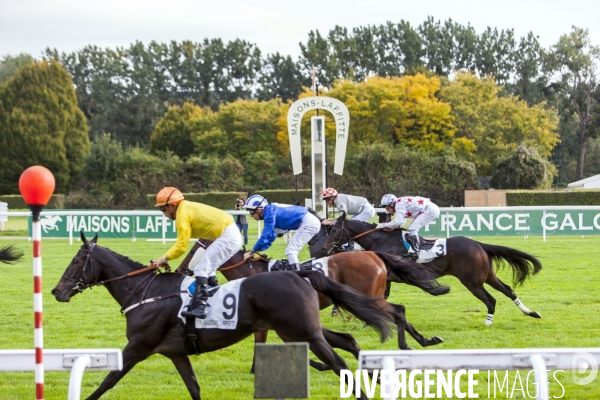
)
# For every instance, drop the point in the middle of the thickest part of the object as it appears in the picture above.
(365, 308)
(416, 275)
(523, 264)
(9, 255)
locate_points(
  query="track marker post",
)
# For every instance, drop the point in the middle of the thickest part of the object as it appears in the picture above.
(36, 185)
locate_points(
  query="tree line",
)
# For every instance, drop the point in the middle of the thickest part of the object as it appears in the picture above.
(439, 87)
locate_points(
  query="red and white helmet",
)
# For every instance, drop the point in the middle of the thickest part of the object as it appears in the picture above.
(329, 192)
(388, 200)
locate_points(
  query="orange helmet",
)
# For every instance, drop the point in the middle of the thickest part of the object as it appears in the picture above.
(168, 195)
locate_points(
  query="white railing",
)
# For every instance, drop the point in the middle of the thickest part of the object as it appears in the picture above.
(538, 360)
(74, 360)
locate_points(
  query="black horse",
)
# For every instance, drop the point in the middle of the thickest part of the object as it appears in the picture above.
(470, 261)
(9, 255)
(283, 302)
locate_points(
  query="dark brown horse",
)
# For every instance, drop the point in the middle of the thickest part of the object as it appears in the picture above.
(283, 302)
(470, 261)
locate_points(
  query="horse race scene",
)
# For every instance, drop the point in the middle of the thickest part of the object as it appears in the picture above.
(317, 200)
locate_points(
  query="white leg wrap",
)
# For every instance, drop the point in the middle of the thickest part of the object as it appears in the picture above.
(522, 307)
(489, 319)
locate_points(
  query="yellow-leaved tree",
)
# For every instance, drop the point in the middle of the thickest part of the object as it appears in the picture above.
(497, 125)
(395, 110)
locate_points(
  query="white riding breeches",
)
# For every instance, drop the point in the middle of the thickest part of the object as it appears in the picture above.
(221, 250)
(308, 228)
(367, 212)
(431, 213)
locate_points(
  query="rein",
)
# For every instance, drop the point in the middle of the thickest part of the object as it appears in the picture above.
(337, 244)
(249, 260)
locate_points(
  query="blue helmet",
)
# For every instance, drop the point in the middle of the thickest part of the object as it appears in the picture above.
(256, 201)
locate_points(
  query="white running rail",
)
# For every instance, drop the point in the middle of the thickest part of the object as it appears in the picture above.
(538, 360)
(74, 360)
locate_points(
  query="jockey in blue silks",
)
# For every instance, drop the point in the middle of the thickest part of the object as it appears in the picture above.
(283, 218)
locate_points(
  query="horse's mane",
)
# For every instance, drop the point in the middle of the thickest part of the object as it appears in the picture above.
(370, 225)
(125, 259)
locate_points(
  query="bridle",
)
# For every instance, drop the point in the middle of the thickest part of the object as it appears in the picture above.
(80, 284)
(338, 238)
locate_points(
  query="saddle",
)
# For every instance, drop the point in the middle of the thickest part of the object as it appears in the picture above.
(281, 265)
(426, 243)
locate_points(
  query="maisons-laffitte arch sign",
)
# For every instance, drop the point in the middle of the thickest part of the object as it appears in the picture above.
(342, 123)
(341, 117)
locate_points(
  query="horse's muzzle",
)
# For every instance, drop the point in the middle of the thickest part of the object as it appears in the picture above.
(64, 296)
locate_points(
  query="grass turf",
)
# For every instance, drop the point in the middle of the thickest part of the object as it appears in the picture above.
(563, 292)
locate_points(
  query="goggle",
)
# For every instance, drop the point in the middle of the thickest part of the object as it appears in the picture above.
(162, 208)
(252, 212)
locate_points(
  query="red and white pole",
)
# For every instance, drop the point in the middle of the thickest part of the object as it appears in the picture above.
(38, 332)
(37, 185)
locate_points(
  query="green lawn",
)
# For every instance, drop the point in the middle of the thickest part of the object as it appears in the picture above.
(564, 293)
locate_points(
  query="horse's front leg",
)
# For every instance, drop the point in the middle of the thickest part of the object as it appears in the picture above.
(131, 356)
(186, 371)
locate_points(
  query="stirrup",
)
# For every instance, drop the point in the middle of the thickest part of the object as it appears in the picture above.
(198, 312)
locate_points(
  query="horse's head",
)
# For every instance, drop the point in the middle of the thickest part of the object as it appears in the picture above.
(79, 273)
(338, 235)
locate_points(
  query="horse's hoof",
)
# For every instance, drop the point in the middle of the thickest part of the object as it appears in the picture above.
(437, 340)
(488, 322)
(535, 314)
(335, 313)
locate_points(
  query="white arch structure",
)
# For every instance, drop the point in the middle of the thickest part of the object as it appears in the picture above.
(342, 124)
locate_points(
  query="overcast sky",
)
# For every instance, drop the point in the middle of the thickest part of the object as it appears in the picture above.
(29, 26)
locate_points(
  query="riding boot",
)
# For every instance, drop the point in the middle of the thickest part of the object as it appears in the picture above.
(415, 243)
(410, 242)
(212, 281)
(198, 307)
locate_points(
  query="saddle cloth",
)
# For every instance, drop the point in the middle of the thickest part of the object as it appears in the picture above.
(319, 265)
(430, 248)
(222, 307)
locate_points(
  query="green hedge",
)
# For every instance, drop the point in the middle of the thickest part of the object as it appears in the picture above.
(539, 198)
(15, 201)
(285, 196)
(222, 200)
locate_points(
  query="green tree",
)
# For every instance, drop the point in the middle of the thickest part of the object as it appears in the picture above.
(280, 78)
(573, 63)
(9, 65)
(523, 169)
(497, 125)
(175, 130)
(41, 124)
(239, 128)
